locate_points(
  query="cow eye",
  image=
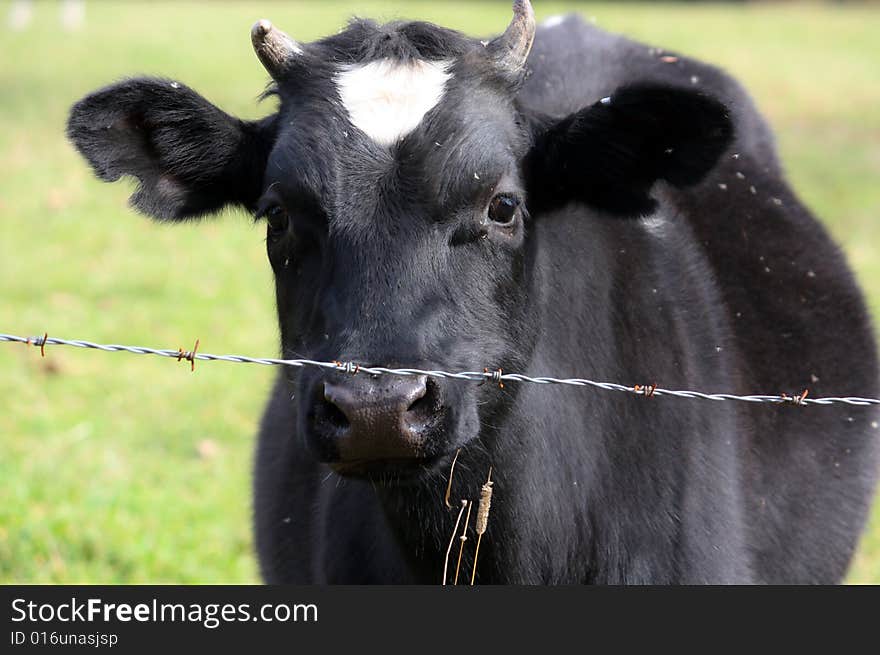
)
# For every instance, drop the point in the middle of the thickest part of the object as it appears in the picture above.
(502, 209)
(277, 221)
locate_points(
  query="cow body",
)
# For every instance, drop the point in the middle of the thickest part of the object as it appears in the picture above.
(560, 202)
(721, 289)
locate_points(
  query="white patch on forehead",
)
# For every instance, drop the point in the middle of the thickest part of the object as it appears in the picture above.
(387, 99)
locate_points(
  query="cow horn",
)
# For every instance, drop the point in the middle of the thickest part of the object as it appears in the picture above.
(274, 48)
(511, 49)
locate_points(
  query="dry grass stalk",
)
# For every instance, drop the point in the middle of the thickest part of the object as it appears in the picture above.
(452, 539)
(449, 484)
(482, 518)
(463, 538)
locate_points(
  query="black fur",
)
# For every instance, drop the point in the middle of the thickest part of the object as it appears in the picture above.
(719, 280)
(611, 154)
(190, 157)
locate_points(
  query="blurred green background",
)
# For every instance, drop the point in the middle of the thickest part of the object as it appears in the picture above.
(117, 468)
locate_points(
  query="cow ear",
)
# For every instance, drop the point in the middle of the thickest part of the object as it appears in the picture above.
(190, 157)
(610, 154)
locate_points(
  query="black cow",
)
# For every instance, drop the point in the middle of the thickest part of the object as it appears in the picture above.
(585, 207)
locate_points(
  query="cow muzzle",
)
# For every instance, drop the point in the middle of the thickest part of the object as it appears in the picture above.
(363, 424)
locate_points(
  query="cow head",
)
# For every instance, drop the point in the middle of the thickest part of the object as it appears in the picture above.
(398, 182)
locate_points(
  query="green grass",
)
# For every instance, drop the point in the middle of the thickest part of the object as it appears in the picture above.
(118, 468)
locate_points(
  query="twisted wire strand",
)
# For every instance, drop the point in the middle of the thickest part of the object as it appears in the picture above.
(496, 376)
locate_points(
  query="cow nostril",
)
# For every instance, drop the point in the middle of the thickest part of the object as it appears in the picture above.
(425, 405)
(417, 405)
(332, 413)
(335, 416)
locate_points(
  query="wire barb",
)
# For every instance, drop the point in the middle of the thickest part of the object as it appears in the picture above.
(647, 390)
(495, 376)
(189, 356)
(472, 376)
(347, 367)
(796, 400)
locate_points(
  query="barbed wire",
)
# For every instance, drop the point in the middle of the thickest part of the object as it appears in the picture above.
(496, 376)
